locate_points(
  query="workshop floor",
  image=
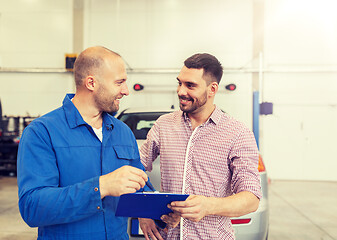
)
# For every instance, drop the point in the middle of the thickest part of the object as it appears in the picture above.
(299, 210)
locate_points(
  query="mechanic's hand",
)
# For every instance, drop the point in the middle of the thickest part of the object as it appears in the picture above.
(172, 219)
(194, 208)
(149, 229)
(126, 179)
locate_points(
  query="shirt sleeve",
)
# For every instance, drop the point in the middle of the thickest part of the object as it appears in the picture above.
(244, 159)
(150, 149)
(41, 201)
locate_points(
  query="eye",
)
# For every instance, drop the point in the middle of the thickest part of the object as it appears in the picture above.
(190, 85)
(120, 82)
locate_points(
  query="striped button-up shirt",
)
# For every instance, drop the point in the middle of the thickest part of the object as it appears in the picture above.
(217, 159)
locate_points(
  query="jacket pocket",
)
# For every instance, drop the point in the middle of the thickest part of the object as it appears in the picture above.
(125, 152)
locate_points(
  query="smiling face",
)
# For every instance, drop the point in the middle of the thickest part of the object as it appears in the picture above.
(111, 85)
(193, 90)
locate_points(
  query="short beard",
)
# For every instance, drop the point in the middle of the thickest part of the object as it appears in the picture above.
(104, 104)
(195, 104)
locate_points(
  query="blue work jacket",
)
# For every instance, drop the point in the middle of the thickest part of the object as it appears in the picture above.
(60, 160)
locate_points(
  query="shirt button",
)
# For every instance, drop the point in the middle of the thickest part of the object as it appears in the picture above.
(96, 189)
(98, 207)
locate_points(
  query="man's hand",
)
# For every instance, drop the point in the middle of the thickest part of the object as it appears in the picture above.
(172, 219)
(193, 208)
(124, 180)
(149, 229)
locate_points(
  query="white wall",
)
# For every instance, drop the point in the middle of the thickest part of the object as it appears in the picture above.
(162, 34)
(298, 140)
(147, 33)
(34, 34)
(33, 94)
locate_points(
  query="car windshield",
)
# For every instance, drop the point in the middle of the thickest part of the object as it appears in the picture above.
(140, 122)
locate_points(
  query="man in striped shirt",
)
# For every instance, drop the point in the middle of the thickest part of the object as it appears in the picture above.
(205, 153)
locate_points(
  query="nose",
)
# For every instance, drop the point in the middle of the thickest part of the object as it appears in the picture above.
(125, 90)
(181, 90)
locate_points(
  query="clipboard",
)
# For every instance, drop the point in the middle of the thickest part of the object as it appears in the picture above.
(147, 204)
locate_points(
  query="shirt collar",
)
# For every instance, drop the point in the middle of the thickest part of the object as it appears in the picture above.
(74, 117)
(107, 121)
(215, 116)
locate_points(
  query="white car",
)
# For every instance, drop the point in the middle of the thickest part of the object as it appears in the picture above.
(253, 226)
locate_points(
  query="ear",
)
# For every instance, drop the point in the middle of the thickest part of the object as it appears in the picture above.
(213, 89)
(90, 83)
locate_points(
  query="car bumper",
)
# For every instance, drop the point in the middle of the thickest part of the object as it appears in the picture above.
(257, 228)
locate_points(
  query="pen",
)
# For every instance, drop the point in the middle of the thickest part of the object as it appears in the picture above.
(149, 184)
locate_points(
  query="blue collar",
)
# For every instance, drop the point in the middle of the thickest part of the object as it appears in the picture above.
(74, 117)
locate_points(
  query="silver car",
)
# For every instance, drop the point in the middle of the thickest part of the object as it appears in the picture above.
(253, 226)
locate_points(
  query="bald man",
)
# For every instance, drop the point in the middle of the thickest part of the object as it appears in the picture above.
(75, 162)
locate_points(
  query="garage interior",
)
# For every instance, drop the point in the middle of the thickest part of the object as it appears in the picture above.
(284, 50)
